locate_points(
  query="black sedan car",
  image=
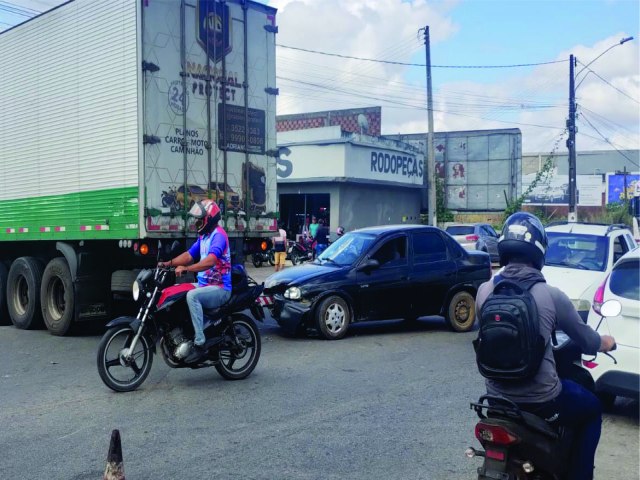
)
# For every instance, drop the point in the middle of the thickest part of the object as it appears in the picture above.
(380, 273)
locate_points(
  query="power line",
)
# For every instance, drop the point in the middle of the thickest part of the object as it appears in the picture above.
(582, 107)
(390, 62)
(413, 106)
(607, 140)
(608, 83)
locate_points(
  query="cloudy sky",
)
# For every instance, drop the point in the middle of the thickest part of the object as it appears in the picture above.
(463, 34)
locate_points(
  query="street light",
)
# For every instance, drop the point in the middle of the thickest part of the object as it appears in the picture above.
(571, 127)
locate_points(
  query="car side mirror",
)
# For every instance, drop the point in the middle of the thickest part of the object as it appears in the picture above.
(368, 265)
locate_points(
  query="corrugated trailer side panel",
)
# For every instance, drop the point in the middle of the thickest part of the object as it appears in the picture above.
(69, 124)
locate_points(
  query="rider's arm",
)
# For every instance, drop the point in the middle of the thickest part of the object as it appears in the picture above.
(184, 258)
(205, 264)
(570, 322)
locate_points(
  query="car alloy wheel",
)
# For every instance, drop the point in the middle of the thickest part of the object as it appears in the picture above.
(333, 317)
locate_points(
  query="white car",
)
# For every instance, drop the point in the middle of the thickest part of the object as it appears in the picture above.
(622, 285)
(580, 254)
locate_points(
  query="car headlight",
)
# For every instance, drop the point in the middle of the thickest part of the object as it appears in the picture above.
(292, 293)
(136, 290)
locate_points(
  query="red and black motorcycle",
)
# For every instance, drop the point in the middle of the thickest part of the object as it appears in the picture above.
(125, 353)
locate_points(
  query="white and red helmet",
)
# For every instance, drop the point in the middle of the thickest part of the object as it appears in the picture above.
(206, 214)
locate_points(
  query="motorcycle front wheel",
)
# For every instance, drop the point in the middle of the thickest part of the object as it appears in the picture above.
(294, 257)
(239, 355)
(119, 373)
(272, 257)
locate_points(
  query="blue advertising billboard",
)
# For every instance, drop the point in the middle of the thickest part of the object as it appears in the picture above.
(615, 186)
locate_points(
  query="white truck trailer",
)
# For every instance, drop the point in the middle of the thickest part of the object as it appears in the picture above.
(116, 117)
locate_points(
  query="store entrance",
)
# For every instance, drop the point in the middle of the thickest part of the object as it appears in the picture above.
(294, 208)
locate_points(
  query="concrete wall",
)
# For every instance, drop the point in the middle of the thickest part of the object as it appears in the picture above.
(368, 205)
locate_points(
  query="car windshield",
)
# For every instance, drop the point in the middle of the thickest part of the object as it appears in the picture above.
(460, 230)
(347, 249)
(572, 250)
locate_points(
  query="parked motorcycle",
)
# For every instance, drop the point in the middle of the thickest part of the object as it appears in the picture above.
(299, 252)
(519, 445)
(258, 258)
(265, 254)
(125, 353)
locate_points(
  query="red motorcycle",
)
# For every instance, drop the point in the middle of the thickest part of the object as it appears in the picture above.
(299, 252)
(125, 353)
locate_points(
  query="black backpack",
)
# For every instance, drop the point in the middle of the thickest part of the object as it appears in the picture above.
(509, 346)
(239, 279)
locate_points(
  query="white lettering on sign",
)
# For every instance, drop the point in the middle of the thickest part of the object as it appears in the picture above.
(405, 165)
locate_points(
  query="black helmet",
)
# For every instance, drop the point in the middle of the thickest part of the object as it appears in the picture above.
(522, 238)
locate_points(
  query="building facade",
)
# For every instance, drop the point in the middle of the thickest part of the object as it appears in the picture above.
(347, 179)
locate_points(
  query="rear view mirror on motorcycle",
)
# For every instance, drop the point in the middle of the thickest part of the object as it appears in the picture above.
(611, 308)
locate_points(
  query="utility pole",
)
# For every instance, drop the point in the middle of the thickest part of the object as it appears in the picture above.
(571, 127)
(430, 170)
(624, 173)
(571, 142)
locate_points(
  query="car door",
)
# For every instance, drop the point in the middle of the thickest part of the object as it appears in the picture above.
(620, 247)
(432, 274)
(624, 286)
(491, 240)
(383, 291)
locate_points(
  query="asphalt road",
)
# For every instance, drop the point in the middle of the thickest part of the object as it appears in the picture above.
(390, 401)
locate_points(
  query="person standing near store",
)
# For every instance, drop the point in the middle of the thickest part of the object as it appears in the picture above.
(280, 249)
(313, 228)
(322, 237)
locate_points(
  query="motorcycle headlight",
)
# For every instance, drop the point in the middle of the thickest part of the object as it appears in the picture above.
(136, 290)
(292, 293)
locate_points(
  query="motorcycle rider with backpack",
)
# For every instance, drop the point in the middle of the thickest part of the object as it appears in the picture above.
(518, 313)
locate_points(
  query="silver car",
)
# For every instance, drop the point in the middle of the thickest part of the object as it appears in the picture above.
(476, 236)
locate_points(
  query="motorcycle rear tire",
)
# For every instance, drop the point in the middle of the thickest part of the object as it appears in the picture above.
(272, 257)
(294, 257)
(245, 327)
(105, 364)
(256, 259)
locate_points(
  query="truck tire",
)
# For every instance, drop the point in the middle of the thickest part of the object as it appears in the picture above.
(4, 312)
(23, 293)
(57, 297)
(122, 280)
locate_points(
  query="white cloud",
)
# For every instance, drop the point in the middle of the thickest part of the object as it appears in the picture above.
(388, 30)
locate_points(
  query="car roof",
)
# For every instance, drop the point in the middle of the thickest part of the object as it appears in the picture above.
(599, 229)
(384, 229)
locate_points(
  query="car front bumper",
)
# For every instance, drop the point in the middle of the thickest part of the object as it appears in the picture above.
(624, 384)
(290, 314)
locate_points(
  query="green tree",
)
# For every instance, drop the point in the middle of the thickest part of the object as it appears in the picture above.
(542, 176)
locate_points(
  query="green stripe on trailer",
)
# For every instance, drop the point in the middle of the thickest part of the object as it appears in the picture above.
(96, 214)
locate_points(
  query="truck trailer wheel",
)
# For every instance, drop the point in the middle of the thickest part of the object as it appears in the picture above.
(4, 313)
(23, 292)
(57, 297)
